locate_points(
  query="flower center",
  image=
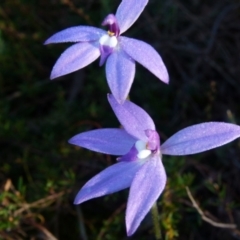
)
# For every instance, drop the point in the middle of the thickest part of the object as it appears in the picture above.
(141, 147)
(111, 33)
(153, 143)
(109, 40)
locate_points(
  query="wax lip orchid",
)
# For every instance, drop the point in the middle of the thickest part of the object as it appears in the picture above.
(120, 53)
(139, 165)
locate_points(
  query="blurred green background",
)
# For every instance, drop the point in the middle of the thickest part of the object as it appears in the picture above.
(40, 173)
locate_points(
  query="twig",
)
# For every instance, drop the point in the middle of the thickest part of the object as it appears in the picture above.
(206, 219)
(79, 11)
(42, 201)
(217, 24)
(48, 234)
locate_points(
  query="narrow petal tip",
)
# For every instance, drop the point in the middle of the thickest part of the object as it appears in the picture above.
(71, 140)
(46, 42)
(80, 198)
(76, 202)
(53, 76)
(166, 79)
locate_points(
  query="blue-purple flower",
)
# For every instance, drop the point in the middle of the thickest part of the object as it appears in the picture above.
(139, 165)
(120, 53)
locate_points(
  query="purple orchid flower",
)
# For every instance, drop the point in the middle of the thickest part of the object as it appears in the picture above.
(120, 53)
(139, 165)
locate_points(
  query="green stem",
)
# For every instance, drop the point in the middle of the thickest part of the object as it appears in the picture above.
(157, 230)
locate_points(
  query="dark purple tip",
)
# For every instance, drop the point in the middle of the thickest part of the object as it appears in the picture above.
(111, 21)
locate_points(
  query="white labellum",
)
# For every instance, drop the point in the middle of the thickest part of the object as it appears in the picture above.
(110, 41)
(141, 147)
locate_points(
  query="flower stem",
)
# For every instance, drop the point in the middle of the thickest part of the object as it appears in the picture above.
(155, 214)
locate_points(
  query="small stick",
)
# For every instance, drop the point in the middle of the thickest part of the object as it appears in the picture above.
(206, 219)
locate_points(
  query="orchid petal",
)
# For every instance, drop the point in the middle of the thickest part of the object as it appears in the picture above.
(110, 141)
(114, 178)
(120, 71)
(201, 137)
(128, 12)
(74, 58)
(130, 156)
(145, 189)
(76, 34)
(133, 118)
(105, 52)
(145, 55)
